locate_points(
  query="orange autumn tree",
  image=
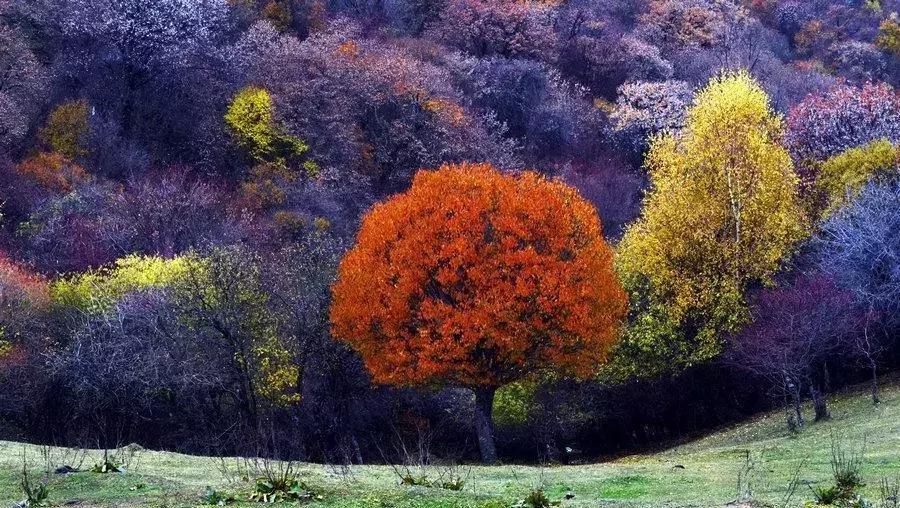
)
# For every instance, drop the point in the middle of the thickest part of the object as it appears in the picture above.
(476, 279)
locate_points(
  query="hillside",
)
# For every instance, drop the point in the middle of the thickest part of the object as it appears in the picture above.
(701, 473)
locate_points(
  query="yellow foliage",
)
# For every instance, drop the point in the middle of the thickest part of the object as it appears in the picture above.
(723, 211)
(843, 176)
(251, 120)
(66, 129)
(98, 290)
(889, 35)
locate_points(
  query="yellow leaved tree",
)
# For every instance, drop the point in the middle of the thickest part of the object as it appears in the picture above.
(722, 213)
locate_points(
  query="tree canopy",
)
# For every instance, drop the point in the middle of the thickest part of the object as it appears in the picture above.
(722, 213)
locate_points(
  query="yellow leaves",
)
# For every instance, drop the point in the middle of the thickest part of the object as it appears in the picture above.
(277, 373)
(66, 129)
(251, 120)
(723, 209)
(889, 35)
(97, 290)
(843, 176)
(474, 277)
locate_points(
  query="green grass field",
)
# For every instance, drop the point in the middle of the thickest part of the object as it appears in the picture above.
(701, 473)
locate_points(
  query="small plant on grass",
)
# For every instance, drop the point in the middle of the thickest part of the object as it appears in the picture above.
(536, 499)
(890, 492)
(36, 493)
(452, 483)
(266, 491)
(279, 481)
(214, 497)
(845, 468)
(107, 465)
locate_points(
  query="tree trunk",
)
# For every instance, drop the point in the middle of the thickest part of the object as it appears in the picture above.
(819, 404)
(484, 425)
(874, 367)
(794, 390)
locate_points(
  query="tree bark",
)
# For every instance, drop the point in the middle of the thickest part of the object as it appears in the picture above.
(874, 367)
(484, 424)
(794, 390)
(819, 404)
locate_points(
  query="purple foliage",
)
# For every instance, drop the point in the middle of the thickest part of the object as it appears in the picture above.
(844, 117)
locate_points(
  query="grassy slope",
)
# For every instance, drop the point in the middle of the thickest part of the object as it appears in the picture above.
(708, 477)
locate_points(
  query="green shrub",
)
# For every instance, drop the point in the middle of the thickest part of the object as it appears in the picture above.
(515, 403)
(106, 466)
(268, 491)
(66, 129)
(214, 497)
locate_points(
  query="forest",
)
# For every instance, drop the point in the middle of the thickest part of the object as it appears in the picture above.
(518, 231)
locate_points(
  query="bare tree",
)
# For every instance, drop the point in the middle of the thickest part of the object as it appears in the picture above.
(794, 329)
(860, 249)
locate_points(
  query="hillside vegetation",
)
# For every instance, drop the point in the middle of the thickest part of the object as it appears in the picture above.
(711, 471)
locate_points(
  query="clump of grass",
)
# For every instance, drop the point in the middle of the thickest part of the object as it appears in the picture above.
(536, 499)
(890, 492)
(846, 464)
(36, 493)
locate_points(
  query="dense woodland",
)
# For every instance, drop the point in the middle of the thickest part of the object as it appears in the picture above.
(340, 230)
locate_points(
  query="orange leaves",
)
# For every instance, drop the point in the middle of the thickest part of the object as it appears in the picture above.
(476, 278)
(349, 49)
(53, 172)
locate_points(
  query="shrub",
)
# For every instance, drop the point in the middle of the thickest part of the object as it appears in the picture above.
(278, 14)
(889, 35)
(843, 176)
(826, 124)
(845, 468)
(645, 109)
(280, 481)
(67, 128)
(504, 28)
(97, 290)
(36, 494)
(251, 120)
(53, 172)
(857, 61)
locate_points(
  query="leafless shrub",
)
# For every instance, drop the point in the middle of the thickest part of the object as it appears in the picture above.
(62, 460)
(890, 492)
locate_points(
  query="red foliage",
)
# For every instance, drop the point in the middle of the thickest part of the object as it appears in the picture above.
(477, 278)
(17, 282)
